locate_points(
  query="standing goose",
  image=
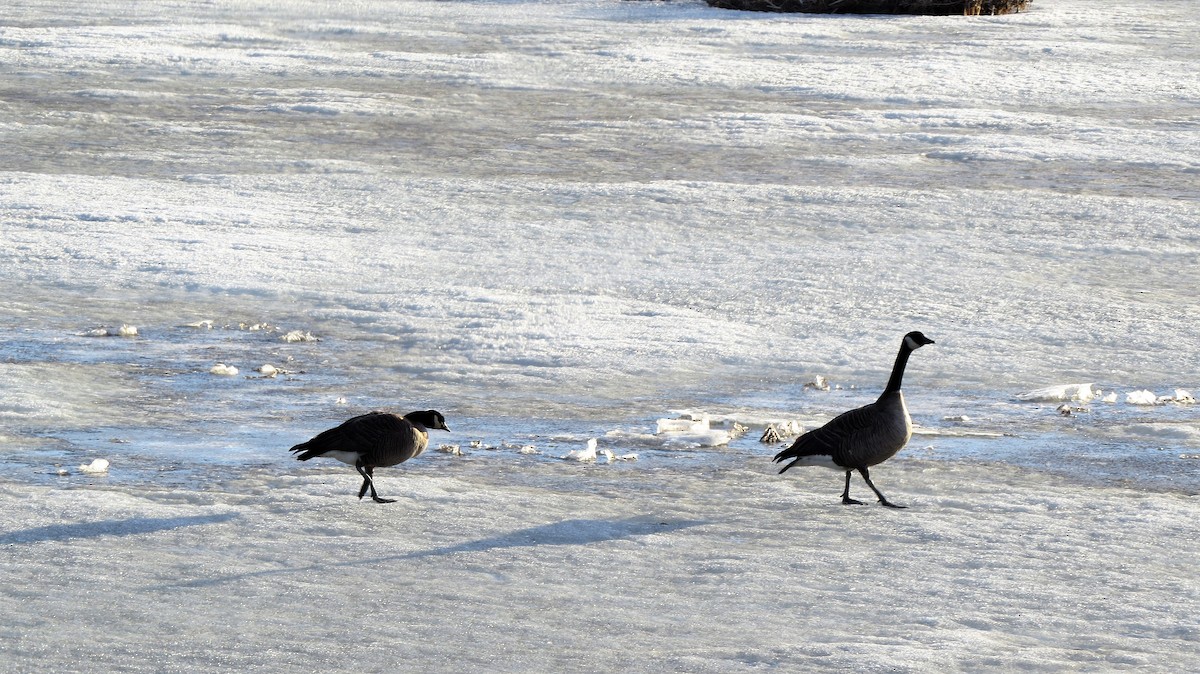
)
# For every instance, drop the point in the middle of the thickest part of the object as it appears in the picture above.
(862, 437)
(372, 440)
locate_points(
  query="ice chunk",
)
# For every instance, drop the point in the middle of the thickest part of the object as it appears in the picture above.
(699, 422)
(125, 330)
(737, 430)
(612, 457)
(819, 383)
(268, 370)
(299, 336)
(687, 423)
(1142, 397)
(770, 435)
(450, 449)
(1050, 394)
(709, 438)
(223, 370)
(788, 428)
(96, 467)
(588, 453)
(692, 430)
(777, 431)
(1183, 397)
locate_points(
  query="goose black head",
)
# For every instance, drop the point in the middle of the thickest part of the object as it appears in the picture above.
(915, 340)
(429, 419)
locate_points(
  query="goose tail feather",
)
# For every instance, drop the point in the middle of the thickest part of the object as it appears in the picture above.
(809, 444)
(305, 451)
(784, 469)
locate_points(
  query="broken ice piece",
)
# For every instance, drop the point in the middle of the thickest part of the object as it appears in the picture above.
(96, 467)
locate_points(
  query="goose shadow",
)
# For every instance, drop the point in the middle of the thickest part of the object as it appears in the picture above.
(126, 527)
(566, 532)
(563, 533)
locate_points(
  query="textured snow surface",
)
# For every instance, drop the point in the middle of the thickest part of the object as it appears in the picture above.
(560, 222)
(991, 568)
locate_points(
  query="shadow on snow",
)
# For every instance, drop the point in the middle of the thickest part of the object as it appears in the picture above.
(566, 532)
(127, 527)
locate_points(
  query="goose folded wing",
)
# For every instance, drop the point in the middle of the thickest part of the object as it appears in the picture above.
(373, 431)
(836, 439)
(867, 436)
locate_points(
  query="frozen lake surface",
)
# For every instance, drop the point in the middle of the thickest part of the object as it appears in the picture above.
(532, 569)
(559, 221)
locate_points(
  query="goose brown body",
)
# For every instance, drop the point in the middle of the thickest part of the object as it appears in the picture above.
(862, 437)
(374, 440)
(865, 436)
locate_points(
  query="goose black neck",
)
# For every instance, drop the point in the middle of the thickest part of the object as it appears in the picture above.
(898, 369)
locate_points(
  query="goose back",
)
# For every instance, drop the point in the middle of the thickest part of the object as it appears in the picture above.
(378, 439)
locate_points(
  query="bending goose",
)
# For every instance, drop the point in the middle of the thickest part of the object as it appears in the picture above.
(862, 437)
(374, 440)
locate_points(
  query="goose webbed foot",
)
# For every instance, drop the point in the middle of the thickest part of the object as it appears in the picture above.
(376, 498)
(891, 505)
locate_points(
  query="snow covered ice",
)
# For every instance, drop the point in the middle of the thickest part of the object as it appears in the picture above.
(562, 221)
(725, 571)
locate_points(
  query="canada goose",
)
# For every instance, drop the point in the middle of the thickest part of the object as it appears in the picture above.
(862, 437)
(372, 440)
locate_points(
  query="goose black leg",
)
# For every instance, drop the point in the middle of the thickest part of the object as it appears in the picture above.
(368, 483)
(867, 478)
(358, 465)
(846, 500)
